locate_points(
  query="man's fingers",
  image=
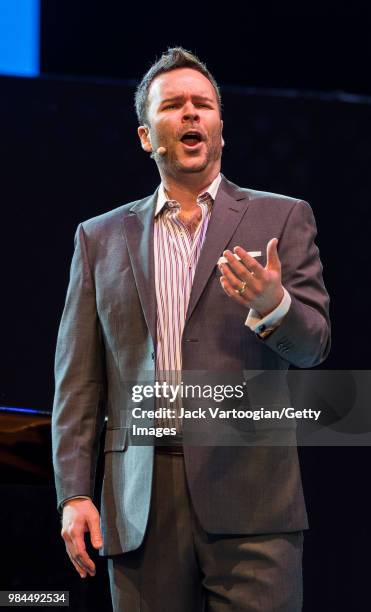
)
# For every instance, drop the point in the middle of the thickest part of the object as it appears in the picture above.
(228, 289)
(85, 563)
(80, 555)
(95, 531)
(80, 570)
(252, 265)
(79, 517)
(273, 260)
(75, 545)
(236, 281)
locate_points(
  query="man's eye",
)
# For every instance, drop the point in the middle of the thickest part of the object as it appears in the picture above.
(170, 106)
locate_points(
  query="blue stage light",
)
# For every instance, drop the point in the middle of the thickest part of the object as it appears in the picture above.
(20, 37)
(23, 410)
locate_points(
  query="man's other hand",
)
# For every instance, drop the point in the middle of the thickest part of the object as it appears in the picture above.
(249, 283)
(81, 516)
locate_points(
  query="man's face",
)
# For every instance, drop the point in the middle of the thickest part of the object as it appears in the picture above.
(183, 116)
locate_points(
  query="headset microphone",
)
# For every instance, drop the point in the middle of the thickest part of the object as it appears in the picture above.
(161, 151)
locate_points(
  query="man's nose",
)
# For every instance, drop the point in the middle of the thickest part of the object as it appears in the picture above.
(190, 112)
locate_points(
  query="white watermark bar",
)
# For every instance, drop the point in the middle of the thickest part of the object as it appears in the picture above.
(246, 408)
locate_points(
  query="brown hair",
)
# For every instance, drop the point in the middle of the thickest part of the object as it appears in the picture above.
(177, 57)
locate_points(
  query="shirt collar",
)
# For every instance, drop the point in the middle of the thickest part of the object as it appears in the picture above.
(211, 190)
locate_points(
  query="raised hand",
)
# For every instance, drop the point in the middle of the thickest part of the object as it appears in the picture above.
(249, 283)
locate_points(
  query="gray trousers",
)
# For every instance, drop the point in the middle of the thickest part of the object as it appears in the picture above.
(181, 568)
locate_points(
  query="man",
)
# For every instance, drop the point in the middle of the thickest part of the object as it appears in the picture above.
(185, 526)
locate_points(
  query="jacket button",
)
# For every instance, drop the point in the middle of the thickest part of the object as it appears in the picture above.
(153, 356)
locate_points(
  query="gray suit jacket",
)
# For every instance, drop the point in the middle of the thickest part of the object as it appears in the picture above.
(107, 337)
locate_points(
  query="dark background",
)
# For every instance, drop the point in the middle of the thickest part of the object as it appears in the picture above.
(297, 99)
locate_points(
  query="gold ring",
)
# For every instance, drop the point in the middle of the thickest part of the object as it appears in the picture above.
(242, 288)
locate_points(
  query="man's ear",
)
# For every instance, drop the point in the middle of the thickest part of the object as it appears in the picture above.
(145, 138)
(221, 132)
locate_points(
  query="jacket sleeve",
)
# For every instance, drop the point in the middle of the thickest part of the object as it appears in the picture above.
(303, 337)
(78, 410)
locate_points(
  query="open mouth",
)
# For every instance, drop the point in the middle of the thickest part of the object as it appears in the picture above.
(191, 138)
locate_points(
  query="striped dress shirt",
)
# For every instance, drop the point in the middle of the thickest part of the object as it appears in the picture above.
(176, 253)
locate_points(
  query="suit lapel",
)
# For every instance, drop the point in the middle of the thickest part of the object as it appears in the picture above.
(138, 226)
(228, 210)
(138, 231)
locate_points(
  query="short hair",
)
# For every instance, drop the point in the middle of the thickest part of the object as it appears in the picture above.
(173, 58)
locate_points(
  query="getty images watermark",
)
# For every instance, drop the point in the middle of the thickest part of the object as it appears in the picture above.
(268, 407)
(218, 393)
